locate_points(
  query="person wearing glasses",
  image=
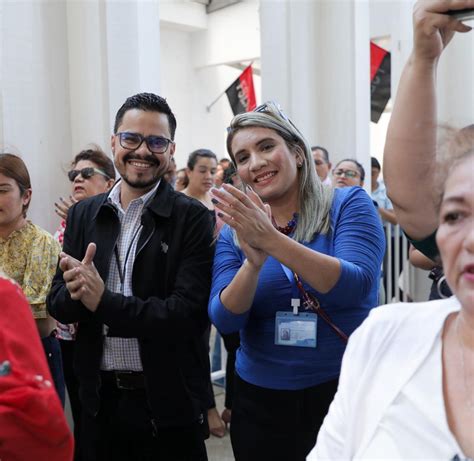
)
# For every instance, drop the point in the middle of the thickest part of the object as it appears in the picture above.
(29, 255)
(348, 173)
(135, 274)
(92, 173)
(296, 270)
(322, 163)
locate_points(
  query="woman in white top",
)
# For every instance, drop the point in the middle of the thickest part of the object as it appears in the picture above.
(406, 389)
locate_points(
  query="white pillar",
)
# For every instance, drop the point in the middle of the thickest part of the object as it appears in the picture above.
(455, 81)
(35, 97)
(88, 77)
(66, 68)
(315, 62)
(133, 50)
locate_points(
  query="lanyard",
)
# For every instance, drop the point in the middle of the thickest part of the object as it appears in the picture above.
(309, 302)
(122, 271)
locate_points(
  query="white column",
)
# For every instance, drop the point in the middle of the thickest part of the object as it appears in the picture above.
(315, 61)
(133, 50)
(88, 78)
(35, 98)
(455, 81)
(66, 67)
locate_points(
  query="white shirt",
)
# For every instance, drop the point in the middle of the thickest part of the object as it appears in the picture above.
(415, 425)
(389, 403)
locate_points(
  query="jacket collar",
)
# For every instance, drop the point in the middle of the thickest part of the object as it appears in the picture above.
(161, 204)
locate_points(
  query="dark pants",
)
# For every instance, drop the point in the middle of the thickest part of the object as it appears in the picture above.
(231, 343)
(72, 386)
(124, 430)
(277, 425)
(53, 356)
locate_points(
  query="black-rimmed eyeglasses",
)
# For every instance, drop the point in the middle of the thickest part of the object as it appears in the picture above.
(132, 141)
(86, 173)
(346, 173)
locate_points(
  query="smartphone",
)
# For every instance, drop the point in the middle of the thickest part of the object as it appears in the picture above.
(462, 15)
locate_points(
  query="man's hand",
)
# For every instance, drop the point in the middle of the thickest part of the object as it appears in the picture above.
(82, 279)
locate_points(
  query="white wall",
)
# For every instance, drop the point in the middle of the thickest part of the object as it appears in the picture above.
(35, 97)
(194, 72)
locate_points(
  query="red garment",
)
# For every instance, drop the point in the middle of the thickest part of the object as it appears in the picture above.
(32, 421)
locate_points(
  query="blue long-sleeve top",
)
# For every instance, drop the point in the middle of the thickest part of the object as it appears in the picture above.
(357, 240)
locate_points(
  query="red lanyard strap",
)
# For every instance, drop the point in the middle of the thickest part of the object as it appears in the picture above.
(310, 302)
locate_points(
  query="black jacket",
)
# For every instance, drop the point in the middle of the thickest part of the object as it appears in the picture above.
(168, 313)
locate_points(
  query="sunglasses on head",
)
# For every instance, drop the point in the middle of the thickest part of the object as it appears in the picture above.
(86, 173)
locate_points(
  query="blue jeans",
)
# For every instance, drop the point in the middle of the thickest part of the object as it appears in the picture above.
(53, 356)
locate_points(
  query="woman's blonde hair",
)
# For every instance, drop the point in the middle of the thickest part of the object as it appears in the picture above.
(455, 147)
(315, 199)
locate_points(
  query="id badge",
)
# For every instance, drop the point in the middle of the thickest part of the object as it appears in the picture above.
(296, 330)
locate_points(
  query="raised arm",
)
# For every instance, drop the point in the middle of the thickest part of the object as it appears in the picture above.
(410, 148)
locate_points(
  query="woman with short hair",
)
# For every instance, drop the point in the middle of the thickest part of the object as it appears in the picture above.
(29, 255)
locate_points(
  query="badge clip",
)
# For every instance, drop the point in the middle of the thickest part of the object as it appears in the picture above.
(295, 304)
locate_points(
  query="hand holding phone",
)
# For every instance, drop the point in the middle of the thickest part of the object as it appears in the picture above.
(462, 15)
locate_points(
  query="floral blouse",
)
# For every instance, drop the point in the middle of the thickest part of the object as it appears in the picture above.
(29, 256)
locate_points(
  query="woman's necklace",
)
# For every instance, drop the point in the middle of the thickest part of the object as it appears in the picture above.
(467, 389)
(290, 225)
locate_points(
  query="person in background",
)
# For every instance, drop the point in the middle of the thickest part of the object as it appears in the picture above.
(29, 255)
(231, 177)
(322, 163)
(379, 194)
(201, 171)
(388, 217)
(225, 163)
(292, 249)
(170, 175)
(221, 167)
(91, 173)
(32, 421)
(182, 180)
(439, 286)
(135, 272)
(348, 173)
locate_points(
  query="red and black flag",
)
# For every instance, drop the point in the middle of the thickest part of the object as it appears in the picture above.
(379, 81)
(241, 93)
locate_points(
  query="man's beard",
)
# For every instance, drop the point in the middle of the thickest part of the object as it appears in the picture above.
(141, 183)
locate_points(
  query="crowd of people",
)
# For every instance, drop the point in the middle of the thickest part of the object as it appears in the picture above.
(282, 252)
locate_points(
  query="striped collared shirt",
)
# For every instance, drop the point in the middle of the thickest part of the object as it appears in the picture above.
(124, 353)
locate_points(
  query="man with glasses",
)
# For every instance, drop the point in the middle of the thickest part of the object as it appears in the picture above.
(135, 273)
(322, 163)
